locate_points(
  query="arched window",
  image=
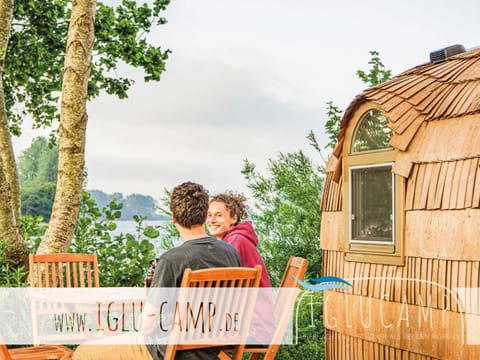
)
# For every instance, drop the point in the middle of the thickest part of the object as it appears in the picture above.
(371, 190)
(371, 133)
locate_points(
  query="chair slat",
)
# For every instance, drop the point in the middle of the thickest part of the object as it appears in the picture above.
(47, 274)
(61, 275)
(89, 274)
(53, 274)
(68, 274)
(81, 273)
(75, 273)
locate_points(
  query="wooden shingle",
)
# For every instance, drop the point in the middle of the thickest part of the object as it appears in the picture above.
(447, 185)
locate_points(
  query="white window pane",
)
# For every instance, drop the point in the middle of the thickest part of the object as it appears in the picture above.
(372, 210)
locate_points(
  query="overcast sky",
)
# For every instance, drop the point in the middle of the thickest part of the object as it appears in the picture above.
(248, 79)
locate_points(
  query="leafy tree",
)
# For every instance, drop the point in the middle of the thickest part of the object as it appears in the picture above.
(38, 175)
(36, 67)
(36, 52)
(38, 162)
(286, 215)
(332, 125)
(377, 73)
(37, 198)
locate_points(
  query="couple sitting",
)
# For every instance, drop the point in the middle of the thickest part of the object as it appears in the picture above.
(190, 207)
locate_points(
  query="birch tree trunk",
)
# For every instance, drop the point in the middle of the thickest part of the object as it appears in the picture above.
(16, 250)
(72, 129)
(6, 150)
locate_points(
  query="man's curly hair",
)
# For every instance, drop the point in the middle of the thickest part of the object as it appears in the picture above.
(189, 204)
(235, 204)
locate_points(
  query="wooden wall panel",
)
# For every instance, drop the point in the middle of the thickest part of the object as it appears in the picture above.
(421, 281)
(443, 185)
(331, 164)
(412, 330)
(326, 191)
(449, 234)
(332, 231)
(339, 346)
(472, 172)
(332, 194)
(476, 189)
(411, 185)
(433, 184)
(447, 191)
(438, 141)
(455, 138)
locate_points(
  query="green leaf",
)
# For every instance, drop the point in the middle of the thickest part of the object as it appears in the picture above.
(151, 232)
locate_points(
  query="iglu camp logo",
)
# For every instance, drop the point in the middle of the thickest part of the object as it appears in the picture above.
(325, 283)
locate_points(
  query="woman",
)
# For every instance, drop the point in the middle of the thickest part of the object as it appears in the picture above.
(224, 222)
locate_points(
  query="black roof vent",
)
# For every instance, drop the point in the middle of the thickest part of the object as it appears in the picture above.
(442, 54)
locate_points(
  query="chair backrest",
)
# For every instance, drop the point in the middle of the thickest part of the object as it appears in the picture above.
(63, 270)
(220, 284)
(296, 268)
(284, 304)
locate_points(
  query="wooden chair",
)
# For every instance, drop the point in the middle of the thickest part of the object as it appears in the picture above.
(40, 352)
(223, 282)
(283, 309)
(63, 270)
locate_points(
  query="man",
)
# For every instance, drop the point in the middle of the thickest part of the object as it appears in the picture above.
(189, 207)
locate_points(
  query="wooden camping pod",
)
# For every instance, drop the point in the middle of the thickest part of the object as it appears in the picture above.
(406, 306)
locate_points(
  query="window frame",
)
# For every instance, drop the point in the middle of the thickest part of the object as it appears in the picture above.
(350, 205)
(364, 250)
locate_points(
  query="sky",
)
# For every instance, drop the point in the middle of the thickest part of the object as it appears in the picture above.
(248, 79)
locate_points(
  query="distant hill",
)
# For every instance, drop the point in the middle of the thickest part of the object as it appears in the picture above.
(133, 204)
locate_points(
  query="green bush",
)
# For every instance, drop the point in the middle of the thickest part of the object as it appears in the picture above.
(10, 276)
(308, 332)
(32, 231)
(123, 259)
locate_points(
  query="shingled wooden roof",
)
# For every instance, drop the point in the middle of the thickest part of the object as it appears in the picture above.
(423, 95)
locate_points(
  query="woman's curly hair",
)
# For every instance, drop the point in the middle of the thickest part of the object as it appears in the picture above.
(235, 204)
